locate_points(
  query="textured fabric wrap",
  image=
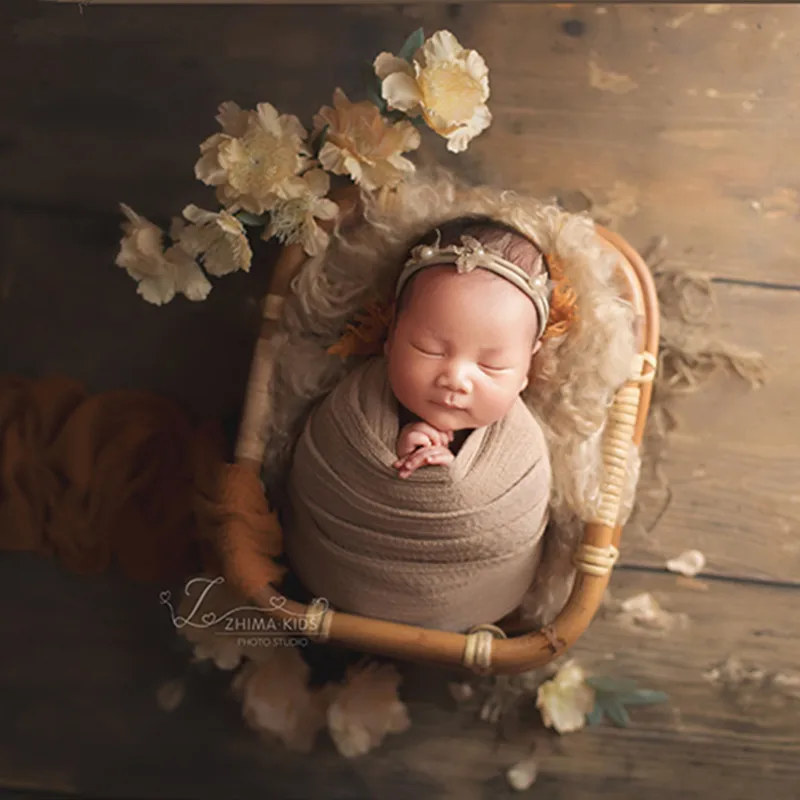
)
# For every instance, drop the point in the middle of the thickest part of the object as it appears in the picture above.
(447, 548)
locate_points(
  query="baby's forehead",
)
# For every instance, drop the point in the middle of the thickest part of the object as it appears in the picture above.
(434, 282)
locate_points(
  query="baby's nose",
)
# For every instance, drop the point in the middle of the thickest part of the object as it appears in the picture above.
(456, 378)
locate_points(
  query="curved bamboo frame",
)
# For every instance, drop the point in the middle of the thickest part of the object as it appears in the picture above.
(479, 650)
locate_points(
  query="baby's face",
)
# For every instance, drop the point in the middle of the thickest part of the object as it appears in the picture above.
(460, 351)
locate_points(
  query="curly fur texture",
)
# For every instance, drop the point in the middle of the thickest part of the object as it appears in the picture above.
(573, 378)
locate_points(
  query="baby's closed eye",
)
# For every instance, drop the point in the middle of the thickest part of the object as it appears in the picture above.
(493, 368)
(428, 351)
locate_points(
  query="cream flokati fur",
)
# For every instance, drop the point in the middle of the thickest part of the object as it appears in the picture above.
(573, 380)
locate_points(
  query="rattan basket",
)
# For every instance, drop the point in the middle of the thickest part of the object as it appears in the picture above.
(488, 649)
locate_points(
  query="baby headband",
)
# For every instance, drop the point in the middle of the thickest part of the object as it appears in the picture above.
(471, 254)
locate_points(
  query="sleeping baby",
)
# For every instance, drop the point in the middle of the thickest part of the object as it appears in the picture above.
(463, 336)
(420, 485)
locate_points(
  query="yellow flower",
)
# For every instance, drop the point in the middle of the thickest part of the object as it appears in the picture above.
(295, 220)
(565, 700)
(363, 144)
(446, 83)
(160, 274)
(256, 159)
(219, 239)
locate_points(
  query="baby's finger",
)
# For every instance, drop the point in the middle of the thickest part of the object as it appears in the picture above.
(419, 439)
(430, 456)
(409, 442)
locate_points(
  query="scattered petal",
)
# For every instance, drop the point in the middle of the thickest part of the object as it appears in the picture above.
(642, 612)
(689, 563)
(522, 775)
(461, 692)
(170, 694)
(225, 654)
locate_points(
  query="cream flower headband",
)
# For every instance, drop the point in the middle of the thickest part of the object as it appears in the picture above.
(470, 255)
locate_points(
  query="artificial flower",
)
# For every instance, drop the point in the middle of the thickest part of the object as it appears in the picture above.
(565, 700)
(366, 708)
(160, 274)
(218, 239)
(445, 83)
(223, 651)
(295, 220)
(363, 144)
(277, 701)
(256, 160)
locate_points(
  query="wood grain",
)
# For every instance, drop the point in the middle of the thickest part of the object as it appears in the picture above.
(66, 308)
(81, 715)
(734, 463)
(681, 122)
(693, 124)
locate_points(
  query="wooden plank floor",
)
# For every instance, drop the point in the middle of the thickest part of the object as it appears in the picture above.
(679, 121)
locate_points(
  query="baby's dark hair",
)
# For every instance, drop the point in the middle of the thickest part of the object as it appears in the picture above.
(502, 239)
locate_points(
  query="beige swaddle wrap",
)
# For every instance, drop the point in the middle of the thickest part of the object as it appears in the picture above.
(447, 548)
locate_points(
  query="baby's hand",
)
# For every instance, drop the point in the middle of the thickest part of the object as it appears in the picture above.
(424, 457)
(420, 444)
(421, 434)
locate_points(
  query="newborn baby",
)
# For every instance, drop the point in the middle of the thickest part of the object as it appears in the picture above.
(458, 544)
(460, 348)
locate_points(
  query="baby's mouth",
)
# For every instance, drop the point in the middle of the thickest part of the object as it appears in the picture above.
(449, 404)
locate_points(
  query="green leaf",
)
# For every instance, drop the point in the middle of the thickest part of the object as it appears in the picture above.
(595, 716)
(254, 220)
(642, 697)
(615, 711)
(412, 44)
(374, 96)
(602, 683)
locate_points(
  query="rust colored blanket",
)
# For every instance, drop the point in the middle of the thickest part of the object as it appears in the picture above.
(117, 479)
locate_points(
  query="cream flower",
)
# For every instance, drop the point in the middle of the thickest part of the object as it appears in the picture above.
(219, 239)
(255, 161)
(565, 700)
(225, 653)
(277, 701)
(446, 83)
(295, 220)
(161, 274)
(366, 708)
(362, 144)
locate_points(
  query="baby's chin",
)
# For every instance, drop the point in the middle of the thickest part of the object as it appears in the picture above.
(449, 419)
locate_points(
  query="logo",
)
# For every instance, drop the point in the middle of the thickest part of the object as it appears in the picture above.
(251, 625)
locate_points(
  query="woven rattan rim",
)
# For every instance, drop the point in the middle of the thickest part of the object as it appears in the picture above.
(594, 558)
